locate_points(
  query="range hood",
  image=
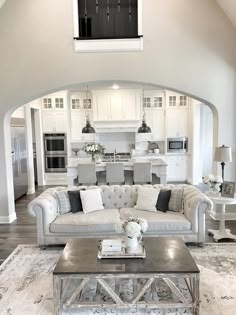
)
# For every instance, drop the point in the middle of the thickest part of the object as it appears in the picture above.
(124, 126)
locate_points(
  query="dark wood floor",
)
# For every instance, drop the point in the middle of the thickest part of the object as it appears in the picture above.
(23, 230)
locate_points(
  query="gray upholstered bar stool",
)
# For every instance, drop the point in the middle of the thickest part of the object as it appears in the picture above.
(115, 173)
(87, 173)
(142, 172)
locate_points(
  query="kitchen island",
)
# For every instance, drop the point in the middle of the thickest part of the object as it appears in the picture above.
(159, 168)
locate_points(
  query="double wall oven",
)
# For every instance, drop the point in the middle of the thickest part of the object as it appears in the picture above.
(55, 152)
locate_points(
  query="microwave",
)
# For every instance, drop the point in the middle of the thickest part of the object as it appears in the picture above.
(177, 145)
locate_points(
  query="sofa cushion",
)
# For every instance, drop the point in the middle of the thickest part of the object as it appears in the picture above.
(159, 221)
(63, 202)
(96, 222)
(147, 198)
(75, 200)
(163, 200)
(91, 200)
(176, 202)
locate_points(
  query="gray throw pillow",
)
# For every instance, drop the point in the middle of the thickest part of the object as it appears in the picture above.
(176, 200)
(63, 202)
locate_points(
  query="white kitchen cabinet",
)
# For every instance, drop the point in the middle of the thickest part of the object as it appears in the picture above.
(78, 121)
(177, 123)
(177, 169)
(116, 106)
(155, 119)
(176, 100)
(54, 112)
(54, 121)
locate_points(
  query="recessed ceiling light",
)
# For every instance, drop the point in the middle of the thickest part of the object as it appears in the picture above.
(115, 86)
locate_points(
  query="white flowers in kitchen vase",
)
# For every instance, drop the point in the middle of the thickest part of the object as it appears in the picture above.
(133, 227)
(213, 182)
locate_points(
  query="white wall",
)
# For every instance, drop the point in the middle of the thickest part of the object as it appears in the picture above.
(189, 46)
(121, 141)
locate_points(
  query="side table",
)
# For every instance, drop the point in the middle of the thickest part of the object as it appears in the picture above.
(222, 232)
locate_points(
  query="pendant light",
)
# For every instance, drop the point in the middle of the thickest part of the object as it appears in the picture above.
(144, 127)
(88, 128)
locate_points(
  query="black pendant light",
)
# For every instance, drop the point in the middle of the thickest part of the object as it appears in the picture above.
(144, 127)
(88, 128)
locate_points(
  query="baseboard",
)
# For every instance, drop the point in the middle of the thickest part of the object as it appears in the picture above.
(8, 219)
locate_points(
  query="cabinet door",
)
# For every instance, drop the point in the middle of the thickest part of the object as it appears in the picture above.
(48, 121)
(77, 123)
(116, 109)
(176, 123)
(60, 120)
(101, 107)
(183, 168)
(130, 107)
(158, 124)
(172, 168)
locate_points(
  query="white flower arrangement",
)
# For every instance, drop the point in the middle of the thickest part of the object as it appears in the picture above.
(133, 227)
(93, 148)
(214, 182)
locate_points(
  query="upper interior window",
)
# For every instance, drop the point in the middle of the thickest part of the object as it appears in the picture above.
(104, 19)
(107, 25)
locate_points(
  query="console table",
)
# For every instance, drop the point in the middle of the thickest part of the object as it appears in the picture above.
(221, 202)
(167, 278)
(159, 167)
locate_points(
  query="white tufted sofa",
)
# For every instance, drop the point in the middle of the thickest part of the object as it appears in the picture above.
(118, 203)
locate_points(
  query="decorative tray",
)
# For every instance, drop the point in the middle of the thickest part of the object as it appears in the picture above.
(124, 253)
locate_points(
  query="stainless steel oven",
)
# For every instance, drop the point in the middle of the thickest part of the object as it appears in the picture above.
(55, 152)
(55, 143)
(55, 163)
(177, 144)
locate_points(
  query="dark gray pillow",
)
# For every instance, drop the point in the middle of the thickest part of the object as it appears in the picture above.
(75, 201)
(163, 200)
(176, 202)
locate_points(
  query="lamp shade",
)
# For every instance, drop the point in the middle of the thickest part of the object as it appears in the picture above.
(223, 154)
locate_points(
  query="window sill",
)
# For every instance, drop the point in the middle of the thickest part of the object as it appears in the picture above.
(109, 45)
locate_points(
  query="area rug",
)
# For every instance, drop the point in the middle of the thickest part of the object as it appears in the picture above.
(26, 282)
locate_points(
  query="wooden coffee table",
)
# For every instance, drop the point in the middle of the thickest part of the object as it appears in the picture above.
(81, 280)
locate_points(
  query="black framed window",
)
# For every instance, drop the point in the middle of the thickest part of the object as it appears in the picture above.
(108, 19)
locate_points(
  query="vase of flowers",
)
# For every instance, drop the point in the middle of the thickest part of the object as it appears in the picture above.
(93, 149)
(213, 182)
(133, 228)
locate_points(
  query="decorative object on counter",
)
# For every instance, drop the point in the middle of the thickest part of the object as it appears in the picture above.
(94, 149)
(144, 127)
(228, 189)
(153, 147)
(133, 227)
(75, 150)
(88, 128)
(132, 149)
(213, 182)
(223, 154)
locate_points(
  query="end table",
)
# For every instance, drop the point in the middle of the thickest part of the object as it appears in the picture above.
(222, 232)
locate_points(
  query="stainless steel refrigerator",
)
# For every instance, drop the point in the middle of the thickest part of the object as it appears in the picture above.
(19, 160)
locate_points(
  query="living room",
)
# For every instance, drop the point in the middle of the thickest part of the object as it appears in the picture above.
(188, 47)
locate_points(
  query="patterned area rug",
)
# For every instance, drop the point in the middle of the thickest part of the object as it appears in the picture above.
(26, 282)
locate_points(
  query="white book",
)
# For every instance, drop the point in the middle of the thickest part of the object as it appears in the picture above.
(111, 245)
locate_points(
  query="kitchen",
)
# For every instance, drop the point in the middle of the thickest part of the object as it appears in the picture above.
(115, 114)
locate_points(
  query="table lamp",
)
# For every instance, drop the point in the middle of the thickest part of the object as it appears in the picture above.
(223, 154)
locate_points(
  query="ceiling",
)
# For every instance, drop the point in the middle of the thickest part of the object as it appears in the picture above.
(229, 8)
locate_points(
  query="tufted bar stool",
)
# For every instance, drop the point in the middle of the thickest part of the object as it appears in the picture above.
(87, 173)
(115, 173)
(142, 172)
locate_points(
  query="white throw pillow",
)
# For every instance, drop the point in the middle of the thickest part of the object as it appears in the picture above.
(91, 200)
(63, 201)
(147, 199)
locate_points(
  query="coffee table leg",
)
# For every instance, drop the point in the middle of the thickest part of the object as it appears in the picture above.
(195, 285)
(57, 294)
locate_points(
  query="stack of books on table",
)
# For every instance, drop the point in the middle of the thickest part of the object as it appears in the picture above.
(111, 246)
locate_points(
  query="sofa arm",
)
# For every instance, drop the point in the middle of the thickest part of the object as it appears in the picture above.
(45, 208)
(195, 206)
